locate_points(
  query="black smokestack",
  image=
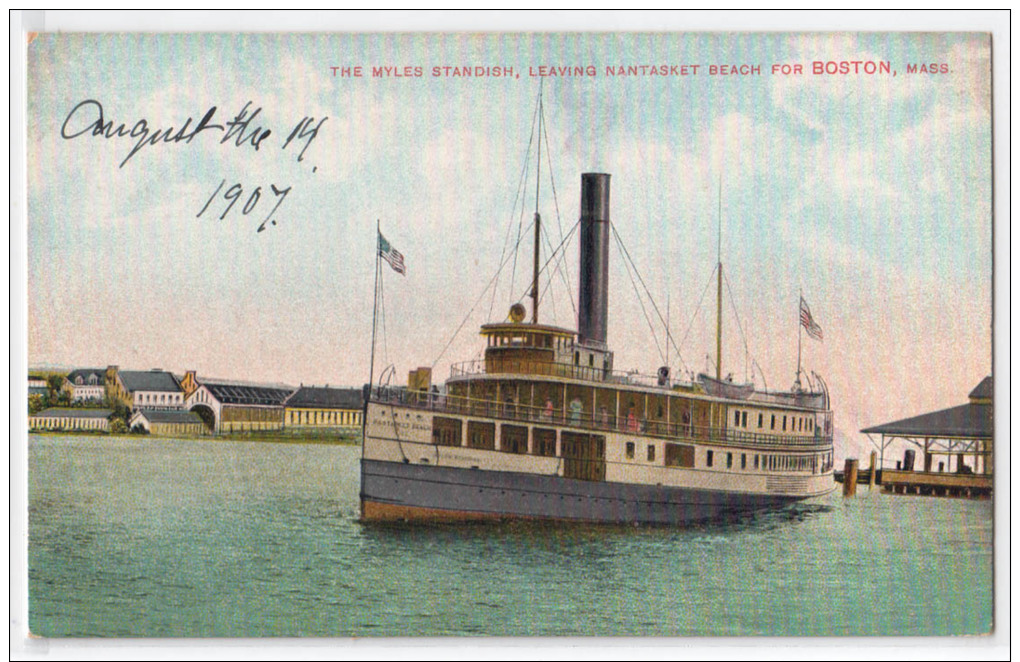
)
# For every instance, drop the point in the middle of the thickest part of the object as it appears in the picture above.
(594, 287)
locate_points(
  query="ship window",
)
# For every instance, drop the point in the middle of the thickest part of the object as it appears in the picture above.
(773, 421)
(756, 461)
(577, 358)
(651, 453)
(760, 420)
(743, 461)
(482, 435)
(729, 460)
(743, 420)
(784, 424)
(679, 455)
(630, 450)
(545, 442)
(810, 424)
(708, 458)
(514, 439)
(445, 431)
(591, 360)
(736, 418)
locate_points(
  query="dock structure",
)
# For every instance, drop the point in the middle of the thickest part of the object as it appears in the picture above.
(957, 447)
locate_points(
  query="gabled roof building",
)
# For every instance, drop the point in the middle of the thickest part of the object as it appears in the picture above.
(228, 406)
(144, 389)
(85, 384)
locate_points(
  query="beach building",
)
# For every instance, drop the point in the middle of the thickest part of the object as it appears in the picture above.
(144, 389)
(319, 407)
(228, 406)
(66, 418)
(85, 384)
(956, 446)
(169, 423)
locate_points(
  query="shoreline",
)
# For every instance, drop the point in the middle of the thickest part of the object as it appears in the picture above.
(353, 439)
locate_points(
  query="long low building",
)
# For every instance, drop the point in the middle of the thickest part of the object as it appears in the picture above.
(169, 423)
(318, 407)
(67, 418)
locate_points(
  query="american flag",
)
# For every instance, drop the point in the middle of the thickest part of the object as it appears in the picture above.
(392, 256)
(808, 322)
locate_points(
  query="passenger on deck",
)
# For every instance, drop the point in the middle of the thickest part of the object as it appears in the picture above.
(575, 411)
(632, 424)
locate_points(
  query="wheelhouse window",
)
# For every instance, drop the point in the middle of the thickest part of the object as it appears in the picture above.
(630, 450)
(651, 453)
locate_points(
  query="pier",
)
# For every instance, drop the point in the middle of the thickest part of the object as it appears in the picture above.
(956, 446)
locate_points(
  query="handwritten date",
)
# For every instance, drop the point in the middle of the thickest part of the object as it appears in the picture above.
(236, 191)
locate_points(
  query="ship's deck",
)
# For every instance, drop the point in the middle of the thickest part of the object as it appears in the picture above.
(604, 422)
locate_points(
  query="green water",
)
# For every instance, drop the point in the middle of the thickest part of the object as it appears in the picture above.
(170, 538)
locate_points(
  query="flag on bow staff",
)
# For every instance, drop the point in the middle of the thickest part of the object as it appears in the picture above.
(392, 256)
(808, 322)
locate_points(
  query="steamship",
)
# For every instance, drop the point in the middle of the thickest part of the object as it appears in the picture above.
(545, 428)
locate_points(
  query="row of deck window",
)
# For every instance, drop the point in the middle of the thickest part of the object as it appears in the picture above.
(795, 423)
(514, 439)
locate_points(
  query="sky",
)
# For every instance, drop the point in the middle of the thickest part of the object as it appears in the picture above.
(870, 195)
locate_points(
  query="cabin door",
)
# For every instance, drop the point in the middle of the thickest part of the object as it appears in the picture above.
(584, 456)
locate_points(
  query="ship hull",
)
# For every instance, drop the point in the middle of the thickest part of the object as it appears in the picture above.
(393, 491)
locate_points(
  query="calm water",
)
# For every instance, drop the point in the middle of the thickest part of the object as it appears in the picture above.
(156, 538)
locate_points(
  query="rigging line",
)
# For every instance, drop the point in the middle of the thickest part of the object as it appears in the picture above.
(733, 304)
(556, 202)
(524, 177)
(564, 276)
(520, 224)
(556, 269)
(477, 301)
(557, 249)
(382, 317)
(651, 299)
(510, 222)
(655, 338)
(698, 308)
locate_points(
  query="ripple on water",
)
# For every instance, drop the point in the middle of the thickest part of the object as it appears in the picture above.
(183, 538)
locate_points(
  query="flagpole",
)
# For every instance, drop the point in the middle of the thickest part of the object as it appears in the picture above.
(800, 332)
(375, 308)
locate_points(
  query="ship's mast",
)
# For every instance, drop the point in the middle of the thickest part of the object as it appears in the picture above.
(538, 217)
(718, 299)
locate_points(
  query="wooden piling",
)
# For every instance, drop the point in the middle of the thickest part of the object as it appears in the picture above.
(850, 477)
(874, 470)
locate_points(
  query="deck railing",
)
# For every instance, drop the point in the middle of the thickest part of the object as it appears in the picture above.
(600, 422)
(500, 365)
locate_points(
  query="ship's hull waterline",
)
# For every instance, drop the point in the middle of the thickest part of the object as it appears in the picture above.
(413, 493)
